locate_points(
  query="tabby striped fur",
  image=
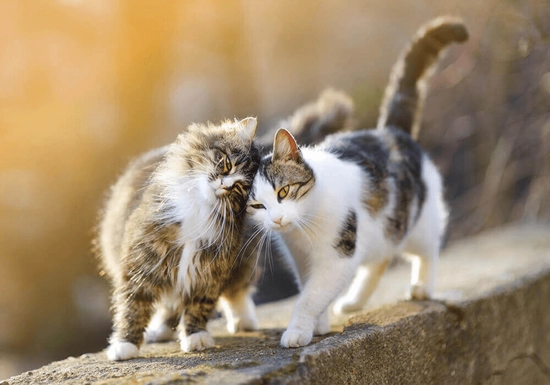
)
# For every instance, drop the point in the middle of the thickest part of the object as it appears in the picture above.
(171, 236)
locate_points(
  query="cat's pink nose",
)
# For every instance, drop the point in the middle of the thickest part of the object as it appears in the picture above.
(280, 223)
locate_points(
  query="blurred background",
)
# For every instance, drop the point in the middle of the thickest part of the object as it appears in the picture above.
(87, 85)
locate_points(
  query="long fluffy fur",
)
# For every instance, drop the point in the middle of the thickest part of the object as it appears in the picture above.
(171, 236)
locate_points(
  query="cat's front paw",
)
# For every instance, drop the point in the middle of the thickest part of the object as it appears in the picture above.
(196, 342)
(121, 351)
(296, 338)
(419, 293)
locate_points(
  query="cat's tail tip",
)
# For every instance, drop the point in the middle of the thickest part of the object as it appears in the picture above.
(331, 112)
(405, 93)
(447, 29)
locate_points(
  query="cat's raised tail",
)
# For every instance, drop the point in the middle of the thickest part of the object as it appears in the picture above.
(330, 113)
(404, 96)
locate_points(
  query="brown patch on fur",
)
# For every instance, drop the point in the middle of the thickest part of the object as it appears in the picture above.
(345, 244)
(376, 199)
(406, 172)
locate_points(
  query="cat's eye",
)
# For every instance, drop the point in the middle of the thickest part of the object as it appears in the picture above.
(258, 206)
(227, 165)
(283, 192)
(224, 165)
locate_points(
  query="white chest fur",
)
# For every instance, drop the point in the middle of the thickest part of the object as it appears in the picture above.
(195, 211)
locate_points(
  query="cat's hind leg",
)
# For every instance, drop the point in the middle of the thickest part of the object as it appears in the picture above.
(423, 274)
(322, 325)
(363, 285)
(424, 242)
(165, 320)
(239, 310)
(422, 249)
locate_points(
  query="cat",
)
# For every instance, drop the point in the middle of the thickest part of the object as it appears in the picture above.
(344, 207)
(171, 235)
(310, 123)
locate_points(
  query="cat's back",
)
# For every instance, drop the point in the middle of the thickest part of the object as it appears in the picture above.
(379, 152)
(125, 195)
(401, 176)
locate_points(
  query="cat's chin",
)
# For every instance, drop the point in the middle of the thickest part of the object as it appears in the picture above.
(220, 192)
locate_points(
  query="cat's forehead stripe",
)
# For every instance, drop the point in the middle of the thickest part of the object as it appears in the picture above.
(281, 173)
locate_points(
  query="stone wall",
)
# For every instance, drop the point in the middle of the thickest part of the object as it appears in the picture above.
(490, 324)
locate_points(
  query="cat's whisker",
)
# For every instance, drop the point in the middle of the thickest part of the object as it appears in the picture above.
(260, 254)
(303, 231)
(270, 258)
(227, 222)
(259, 247)
(220, 233)
(268, 255)
(311, 228)
(247, 243)
(240, 255)
(211, 223)
(313, 217)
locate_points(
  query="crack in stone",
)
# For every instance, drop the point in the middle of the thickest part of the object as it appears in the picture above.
(534, 357)
(541, 365)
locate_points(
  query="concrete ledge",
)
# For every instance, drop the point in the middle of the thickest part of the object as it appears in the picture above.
(489, 325)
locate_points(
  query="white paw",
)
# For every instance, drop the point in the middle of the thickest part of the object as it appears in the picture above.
(159, 333)
(196, 341)
(344, 305)
(120, 351)
(419, 292)
(245, 323)
(296, 338)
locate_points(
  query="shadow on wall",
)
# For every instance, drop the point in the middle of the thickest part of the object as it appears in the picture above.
(85, 86)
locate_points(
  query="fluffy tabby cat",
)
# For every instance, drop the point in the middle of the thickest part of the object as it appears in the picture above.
(346, 206)
(171, 235)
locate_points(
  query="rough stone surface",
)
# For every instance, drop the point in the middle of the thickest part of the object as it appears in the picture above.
(490, 324)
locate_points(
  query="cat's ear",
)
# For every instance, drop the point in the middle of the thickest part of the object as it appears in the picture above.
(285, 146)
(247, 128)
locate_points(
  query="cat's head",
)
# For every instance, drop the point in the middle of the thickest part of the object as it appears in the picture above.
(279, 197)
(215, 162)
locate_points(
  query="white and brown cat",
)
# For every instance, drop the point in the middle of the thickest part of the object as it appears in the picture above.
(346, 206)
